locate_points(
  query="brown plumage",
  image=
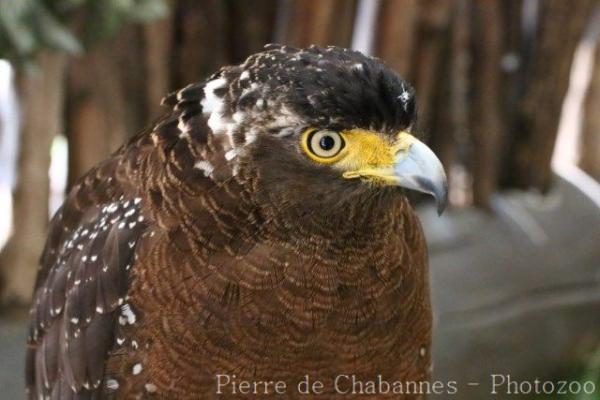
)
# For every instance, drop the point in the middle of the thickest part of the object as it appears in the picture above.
(214, 244)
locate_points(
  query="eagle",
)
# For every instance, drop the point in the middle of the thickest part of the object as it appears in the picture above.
(259, 230)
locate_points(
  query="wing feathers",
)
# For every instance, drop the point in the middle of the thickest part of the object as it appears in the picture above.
(83, 282)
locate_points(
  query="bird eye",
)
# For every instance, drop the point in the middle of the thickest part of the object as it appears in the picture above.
(323, 145)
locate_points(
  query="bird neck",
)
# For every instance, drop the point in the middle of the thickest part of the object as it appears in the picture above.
(355, 221)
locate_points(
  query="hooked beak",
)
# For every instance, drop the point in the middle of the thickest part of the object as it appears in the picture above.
(407, 162)
(418, 168)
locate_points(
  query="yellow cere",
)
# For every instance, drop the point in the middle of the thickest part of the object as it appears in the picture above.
(366, 154)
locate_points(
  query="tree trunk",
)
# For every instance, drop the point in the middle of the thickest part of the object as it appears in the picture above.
(158, 49)
(590, 135)
(560, 29)
(41, 98)
(487, 123)
(255, 21)
(200, 42)
(106, 101)
(323, 22)
(514, 62)
(457, 138)
(396, 34)
(431, 58)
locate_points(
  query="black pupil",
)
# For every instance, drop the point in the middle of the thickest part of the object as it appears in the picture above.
(327, 142)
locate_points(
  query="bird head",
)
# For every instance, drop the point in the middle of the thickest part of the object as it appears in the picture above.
(319, 124)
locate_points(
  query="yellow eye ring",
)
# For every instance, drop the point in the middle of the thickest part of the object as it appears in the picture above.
(324, 146)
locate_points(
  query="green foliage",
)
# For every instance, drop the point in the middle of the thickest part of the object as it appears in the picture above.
(592, 374)
(589, 371)
(28, 26)
(104, 18)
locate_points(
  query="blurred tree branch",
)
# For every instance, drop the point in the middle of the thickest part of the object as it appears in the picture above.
(106, 100)
(487, 125)
(323, 22)
(30, 26)
(590, 136)
(560, 28)
(37, 36)
(41, 99)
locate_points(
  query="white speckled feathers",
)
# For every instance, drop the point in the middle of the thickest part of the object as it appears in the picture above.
(82, 286)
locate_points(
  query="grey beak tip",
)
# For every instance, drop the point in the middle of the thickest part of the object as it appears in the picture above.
(439, 191)
(441, 206)
(441, 200)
